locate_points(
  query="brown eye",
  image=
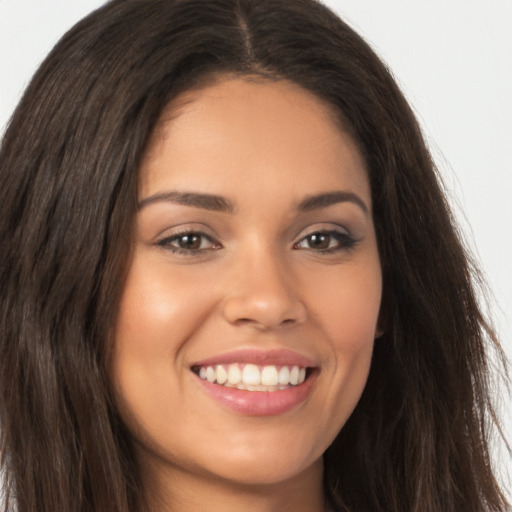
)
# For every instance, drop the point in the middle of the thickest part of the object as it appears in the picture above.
(326, 242)
(319, 241)
(188, 243)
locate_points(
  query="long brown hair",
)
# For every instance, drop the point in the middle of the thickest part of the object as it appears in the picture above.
(418, 439)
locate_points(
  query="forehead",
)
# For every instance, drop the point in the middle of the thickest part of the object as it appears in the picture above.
(222, 135)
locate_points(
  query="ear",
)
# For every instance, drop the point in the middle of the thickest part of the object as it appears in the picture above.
(383, 323)
(379, 332)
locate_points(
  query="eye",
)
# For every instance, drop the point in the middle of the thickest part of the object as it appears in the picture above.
(326, 241)
(188, 242)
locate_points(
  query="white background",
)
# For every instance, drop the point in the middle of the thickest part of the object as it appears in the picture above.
(452, 59)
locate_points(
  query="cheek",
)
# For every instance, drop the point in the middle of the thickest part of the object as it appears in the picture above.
(346, 307)
(156, 316)
(352, 330)
(346, 302)
(158, 309)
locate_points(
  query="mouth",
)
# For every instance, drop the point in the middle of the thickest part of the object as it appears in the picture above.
(253, 377)
(258, 383)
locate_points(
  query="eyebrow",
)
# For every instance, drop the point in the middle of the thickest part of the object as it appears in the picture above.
(221, 204)
(327, 199)
(204, 201)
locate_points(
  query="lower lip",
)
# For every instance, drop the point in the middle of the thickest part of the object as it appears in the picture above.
(260, 403)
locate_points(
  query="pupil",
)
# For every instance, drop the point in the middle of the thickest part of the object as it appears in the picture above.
(190, 241)
(319, 241)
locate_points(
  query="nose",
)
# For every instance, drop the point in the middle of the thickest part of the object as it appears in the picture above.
(262, 294)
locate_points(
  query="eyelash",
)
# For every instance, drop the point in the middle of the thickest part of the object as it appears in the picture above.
(165, 243)
(345, 242)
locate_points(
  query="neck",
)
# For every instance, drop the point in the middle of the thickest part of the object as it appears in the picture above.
(173, 490)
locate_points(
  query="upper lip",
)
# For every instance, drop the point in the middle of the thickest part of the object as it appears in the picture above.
(258, 357)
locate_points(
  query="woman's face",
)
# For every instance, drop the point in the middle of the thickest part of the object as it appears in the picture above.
(256, 267)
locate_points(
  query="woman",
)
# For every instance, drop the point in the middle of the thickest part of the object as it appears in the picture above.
(232, 280)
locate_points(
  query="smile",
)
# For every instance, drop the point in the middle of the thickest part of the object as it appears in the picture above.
(251, 377)
(257, 383)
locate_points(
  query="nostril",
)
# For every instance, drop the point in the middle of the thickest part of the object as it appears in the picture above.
(244, 321)
(263, 310)
(266, 324)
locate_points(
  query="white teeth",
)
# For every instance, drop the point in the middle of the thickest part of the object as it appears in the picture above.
(234, 374)
(222, 375)
(269, 376)
(211, 374)
(251, 375)
(284, 375)
(253, 378)
(294, 376)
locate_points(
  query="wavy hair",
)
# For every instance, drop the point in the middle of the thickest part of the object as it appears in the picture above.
(418, 439)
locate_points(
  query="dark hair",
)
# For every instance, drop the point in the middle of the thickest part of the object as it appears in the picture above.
(418, 439)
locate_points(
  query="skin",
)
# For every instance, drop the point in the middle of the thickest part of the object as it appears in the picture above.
(255, 280)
